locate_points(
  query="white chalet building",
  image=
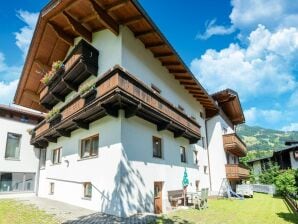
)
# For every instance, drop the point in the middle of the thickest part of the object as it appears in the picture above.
(19, 161)
(126, 117)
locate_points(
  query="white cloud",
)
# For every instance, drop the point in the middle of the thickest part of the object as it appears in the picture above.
(263, 67)
(212, 29)
(24, 35)
(8, 73)
(254, 116)
(7, 91)
(290, 127)
(247, 15)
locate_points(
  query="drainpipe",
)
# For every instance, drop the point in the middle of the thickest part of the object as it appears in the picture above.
(207, 145)
(37, 175)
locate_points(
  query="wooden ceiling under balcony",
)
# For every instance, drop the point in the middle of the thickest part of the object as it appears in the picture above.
(63, 20)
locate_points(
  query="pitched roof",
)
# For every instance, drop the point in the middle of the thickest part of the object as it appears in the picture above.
(22, 111)
(228, 101)
(63, 20)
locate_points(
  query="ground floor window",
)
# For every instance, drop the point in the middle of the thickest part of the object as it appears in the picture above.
(56, 156)
(87, 190)
(183, 154)
(89, 146)
(17, 182)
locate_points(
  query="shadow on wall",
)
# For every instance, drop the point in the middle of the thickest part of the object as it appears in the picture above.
(130, 195)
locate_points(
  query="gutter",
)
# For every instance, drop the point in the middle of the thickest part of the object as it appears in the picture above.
(208, 156)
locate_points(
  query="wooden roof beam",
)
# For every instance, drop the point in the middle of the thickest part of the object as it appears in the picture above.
(105, 19)
(153, 45)
(163, 55)
(193, 88)
(196, 92)
(62, 35)
(178, 71)
(116, 5)
(180, 77)
(78, 27)
(188, 83)
(169, 63)
(131, 20)
(144, 33)
(31, 95)
(42, 66)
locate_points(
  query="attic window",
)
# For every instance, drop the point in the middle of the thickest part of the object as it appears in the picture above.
(180, 108)
(155, 89)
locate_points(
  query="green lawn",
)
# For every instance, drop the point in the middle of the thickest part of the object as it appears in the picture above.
(261, 209)
(12, 212)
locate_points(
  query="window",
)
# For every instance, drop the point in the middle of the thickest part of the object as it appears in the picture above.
(56, 156)
(43, 155)
(180, 108)
(87, 190)
(52, 188)
(205, 169)
(183, 154)
(24, 118)
(89, 146)
(157, 150)
(203, 142)
(13, 146)
(201, 115)
(195, 157)
(155, 89)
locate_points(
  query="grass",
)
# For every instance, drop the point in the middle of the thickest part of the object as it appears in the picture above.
(13, 212)
(261, 209)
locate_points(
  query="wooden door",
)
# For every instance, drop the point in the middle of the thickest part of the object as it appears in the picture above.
(158, 197)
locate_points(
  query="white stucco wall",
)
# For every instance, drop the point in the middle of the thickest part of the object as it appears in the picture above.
(124, 172)
(28, 162)
(217, 154)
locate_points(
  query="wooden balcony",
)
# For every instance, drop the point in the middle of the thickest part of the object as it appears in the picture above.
(118, 90)
(233, 144)
(78, 66)
(236, 171)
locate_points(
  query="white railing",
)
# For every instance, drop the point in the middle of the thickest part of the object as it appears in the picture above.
(264, 188)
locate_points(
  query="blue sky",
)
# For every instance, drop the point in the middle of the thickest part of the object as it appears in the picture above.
(250, 46)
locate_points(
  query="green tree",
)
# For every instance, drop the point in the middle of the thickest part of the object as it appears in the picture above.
(269, 175)
(285, 182)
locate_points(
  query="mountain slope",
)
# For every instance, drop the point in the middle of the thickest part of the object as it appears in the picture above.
(257, 138)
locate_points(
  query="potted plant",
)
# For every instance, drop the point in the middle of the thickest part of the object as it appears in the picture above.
(53, 114)
(57, 68)
(87, 90)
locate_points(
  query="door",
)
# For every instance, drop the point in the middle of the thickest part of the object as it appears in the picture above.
(158, 197)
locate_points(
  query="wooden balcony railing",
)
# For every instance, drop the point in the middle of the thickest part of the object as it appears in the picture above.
(78, 66)
(118, 90)
(233, 144)
(236, 171)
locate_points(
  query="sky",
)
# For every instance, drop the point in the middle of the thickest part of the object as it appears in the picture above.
(250, 46)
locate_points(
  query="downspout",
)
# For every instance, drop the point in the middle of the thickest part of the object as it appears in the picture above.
(37, 174)
(208, 156)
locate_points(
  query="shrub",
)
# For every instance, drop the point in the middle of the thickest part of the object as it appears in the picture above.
(52, 113)
(50, 74)
(269, 175)
(86, 87)
(285, 182)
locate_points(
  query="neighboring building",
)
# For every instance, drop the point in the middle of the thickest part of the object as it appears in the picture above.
(225, 146)
(286, 158)
(121, 145)
(18, 159)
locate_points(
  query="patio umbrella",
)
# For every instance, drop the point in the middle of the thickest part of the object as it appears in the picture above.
(185, 183)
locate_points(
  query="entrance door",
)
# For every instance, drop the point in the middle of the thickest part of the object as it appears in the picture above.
(158, 197)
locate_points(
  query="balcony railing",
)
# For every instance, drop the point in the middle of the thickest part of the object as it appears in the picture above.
(78, 66)
(236, 171)
(117, 90)
(233, 144)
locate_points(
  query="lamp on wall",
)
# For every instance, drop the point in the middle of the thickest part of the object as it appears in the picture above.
(67, 163)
